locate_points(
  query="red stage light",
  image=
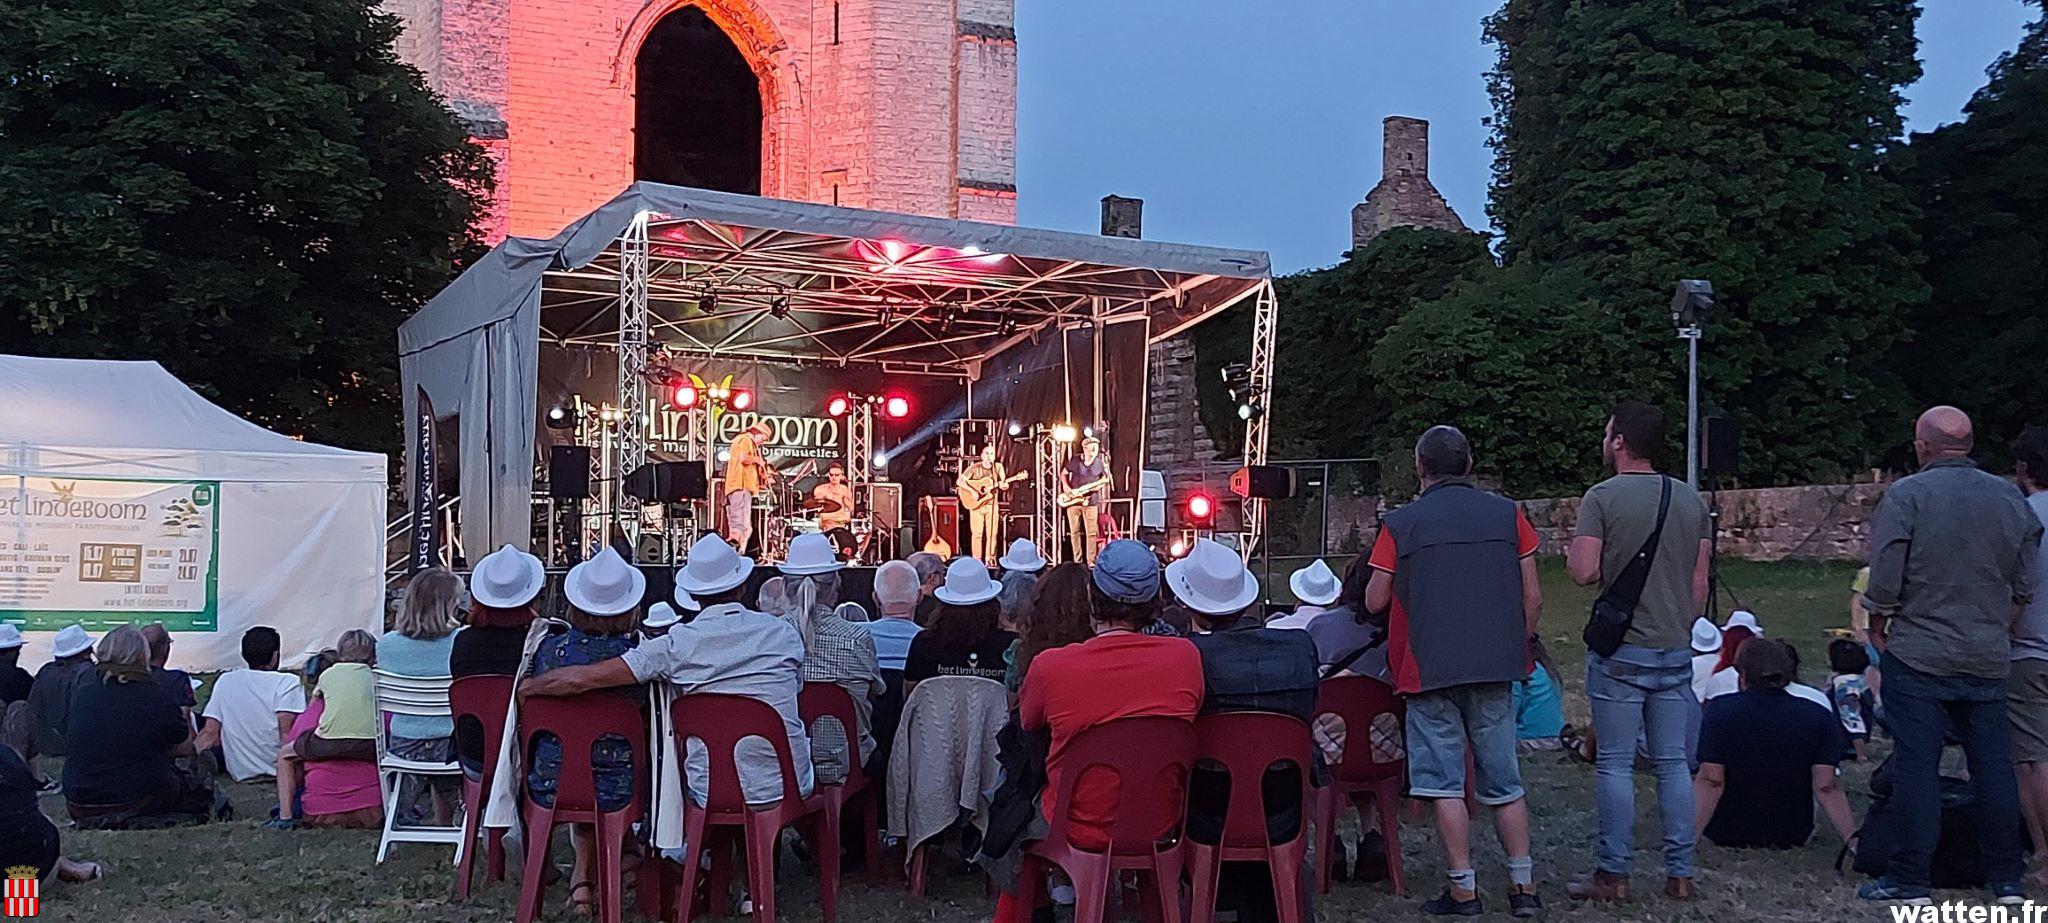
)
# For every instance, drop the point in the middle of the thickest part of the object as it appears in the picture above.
(1201, 510)
(741, 399)
(837, 407)
(896, 407)
(684, 397)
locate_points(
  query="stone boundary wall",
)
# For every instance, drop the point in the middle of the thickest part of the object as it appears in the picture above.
(1814, 522)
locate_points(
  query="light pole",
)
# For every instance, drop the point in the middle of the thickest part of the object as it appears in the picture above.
(1688, 306)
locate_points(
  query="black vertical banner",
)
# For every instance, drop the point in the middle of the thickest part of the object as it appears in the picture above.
(426, 489)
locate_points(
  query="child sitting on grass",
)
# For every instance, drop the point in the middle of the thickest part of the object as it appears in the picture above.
(1848, 661)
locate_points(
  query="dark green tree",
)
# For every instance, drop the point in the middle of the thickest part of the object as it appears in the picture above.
(1982, 189)
(1739, 141)
(253, 192)
(1326, 403)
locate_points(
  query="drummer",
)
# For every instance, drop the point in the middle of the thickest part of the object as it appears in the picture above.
(836, 510)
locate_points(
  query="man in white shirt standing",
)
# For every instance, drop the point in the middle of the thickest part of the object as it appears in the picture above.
(252, 709)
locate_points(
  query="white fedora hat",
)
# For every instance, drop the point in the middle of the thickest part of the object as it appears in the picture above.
(1023, 558)
(660, 615)
(10, 637)
(72, 640)
(1212, 580)
(506, 578)
(713, 567)
(686, 601)
(1315, 584)
(812, 553)
(967, 583)
(1706, 639)
(1746, 619)
(605, 585)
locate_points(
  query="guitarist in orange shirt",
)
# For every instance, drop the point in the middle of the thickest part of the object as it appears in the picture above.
(980, 487)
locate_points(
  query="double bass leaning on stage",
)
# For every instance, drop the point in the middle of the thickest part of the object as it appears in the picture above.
(746, 474)
(980, 488)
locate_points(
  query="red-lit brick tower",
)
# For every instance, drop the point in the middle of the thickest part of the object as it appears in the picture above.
(902, 105)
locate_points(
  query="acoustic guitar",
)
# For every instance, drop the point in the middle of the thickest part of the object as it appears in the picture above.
(972, 499)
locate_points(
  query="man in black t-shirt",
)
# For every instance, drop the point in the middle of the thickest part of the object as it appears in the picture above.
(14, 681)
(1766, 756)
(1084, 481)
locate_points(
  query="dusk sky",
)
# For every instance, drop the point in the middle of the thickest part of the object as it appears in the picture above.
(1261, 131)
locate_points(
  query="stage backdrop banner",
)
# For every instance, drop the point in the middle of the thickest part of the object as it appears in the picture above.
(106, 553)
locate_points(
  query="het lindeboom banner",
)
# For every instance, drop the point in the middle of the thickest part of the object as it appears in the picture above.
(109, 553)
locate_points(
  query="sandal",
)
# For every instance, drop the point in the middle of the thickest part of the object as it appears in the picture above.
(94, 872)
(588, 903)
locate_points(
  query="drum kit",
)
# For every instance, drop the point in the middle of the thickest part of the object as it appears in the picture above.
(790, 512)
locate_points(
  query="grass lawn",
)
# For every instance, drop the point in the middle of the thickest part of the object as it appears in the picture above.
(237, 872)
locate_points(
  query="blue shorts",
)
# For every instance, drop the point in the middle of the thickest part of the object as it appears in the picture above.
(1441, 721)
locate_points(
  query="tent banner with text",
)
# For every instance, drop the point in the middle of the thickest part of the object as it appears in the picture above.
(105, 553)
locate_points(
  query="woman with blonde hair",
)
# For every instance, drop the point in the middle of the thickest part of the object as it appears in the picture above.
(419, 645)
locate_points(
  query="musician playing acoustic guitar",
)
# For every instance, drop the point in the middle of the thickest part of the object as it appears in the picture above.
(1086, 488)
(980, 488)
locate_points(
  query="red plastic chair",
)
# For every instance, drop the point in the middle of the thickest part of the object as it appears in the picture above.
(1246, 744)
(578, 722)
(483, 699)
(1144, 837)
(831, 700)
(719, 722)
(1359, 701)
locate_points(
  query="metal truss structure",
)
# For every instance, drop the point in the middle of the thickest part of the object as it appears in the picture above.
(632, 344)
(1265, 322)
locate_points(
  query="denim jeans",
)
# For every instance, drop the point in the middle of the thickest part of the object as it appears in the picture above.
(1643, 691)
(1919, 709)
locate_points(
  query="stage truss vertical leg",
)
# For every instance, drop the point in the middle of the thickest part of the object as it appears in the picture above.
(1045, 511)
(632, 442)
(1265, 317)
(860, 458)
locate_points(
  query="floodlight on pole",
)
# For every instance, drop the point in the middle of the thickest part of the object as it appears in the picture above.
(1690, 302)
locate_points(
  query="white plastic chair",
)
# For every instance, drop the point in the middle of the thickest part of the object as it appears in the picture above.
(418, 696)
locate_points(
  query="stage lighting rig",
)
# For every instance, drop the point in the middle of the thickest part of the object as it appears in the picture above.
(1201, 508)
(778, 308)
(707, 303)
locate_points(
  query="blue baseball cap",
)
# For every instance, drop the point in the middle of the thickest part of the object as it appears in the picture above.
(1127, 572)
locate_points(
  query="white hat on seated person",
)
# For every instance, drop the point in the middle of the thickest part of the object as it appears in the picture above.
(72, 640)
(605, 585)
(811, 554)
(660, 615)
(1022, 558)
(713, 567)
(967, 583)
(507, 578)
(1316, 584)
(10, 637)
(1706, 639)
(1212, 580)
(1746, 619)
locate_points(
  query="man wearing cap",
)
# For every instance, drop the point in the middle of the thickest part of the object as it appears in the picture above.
(746, 473)
(1084, 519)
(1316, 588)
(14, 681)
(1455, 574)
(727, 649)
(49, 700)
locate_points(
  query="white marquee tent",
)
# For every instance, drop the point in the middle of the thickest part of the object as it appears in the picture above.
(127, 497)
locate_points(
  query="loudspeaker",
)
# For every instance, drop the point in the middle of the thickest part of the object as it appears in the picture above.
(906, 542)
(1720, 445)
(885, 506)
(667, 482)
(1270, 482)
(569, 472)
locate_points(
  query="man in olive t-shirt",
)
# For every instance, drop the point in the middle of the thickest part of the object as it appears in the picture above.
(1645, 687)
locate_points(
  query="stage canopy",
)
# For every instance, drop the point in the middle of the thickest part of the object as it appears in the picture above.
(705, 273)
(127, 497)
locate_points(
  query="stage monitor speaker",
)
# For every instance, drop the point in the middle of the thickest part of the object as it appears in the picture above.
(1720, 445)
(667, 482)
(885, 506)
(1269, 482)
(569, 472)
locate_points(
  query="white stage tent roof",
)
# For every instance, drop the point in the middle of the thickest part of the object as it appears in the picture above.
(299, 527)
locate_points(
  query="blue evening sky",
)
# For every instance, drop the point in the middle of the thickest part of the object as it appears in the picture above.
(1262, 131)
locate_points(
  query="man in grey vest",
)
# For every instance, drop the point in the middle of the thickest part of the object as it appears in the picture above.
(1454, 578)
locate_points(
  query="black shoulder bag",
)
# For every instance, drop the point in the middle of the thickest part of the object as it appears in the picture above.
(1615, 610)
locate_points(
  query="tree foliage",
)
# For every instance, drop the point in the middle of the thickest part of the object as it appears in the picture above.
(1739, 141)
(253, 192)
(1982, 190)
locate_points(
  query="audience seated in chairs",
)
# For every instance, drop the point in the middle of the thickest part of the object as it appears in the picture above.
(1065, 693)
(252, 709)
(965, 637)
(1245, 667)
(421, 644)
(1056, 616)
(502, 590)
(346, 730)
(124, 731)
(835, 650)
(1347, 644)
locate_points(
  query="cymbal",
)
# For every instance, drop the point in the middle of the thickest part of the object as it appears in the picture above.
(822, 505)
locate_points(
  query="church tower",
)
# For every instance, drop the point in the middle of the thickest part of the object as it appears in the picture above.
(899, 105)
